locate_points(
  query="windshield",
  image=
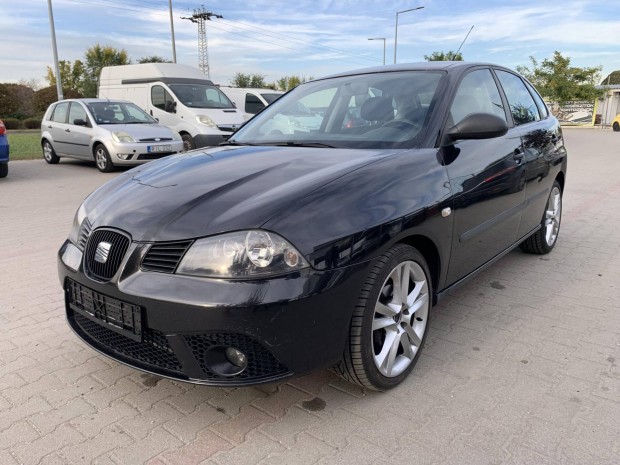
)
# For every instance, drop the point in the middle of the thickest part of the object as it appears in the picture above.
(201, 96)
(119, 113)
(379, 110)
(270, 98)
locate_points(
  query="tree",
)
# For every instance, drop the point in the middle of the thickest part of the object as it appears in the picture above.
(96, 57)
(43, 98)
(612, 78)
(287, 83)
(444, 56)
(559, 82)
(16, 100)
(71, 76)
(254, 80)
(153, 59)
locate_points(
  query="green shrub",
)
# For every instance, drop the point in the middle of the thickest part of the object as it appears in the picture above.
(32, 123)
(12, 123)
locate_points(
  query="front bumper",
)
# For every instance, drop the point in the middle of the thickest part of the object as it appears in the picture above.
(136, 153)
(210, 140)
(288, 325)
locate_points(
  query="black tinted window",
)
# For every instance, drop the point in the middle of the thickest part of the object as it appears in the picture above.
(253, 104)
(477, 93)
(60, 112)
(542, 108)
(522, 105)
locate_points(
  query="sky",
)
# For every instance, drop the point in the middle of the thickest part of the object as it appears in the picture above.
(309, 38)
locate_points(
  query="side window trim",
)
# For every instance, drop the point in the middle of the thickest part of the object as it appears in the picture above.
(534, 93)
(507, 112)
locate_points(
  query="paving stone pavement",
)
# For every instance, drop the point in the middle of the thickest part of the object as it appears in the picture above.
(521, 365)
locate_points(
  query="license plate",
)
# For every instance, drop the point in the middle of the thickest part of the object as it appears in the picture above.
(159, 148)
(114, 314)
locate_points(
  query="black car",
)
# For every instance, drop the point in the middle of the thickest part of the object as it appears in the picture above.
(291, 249)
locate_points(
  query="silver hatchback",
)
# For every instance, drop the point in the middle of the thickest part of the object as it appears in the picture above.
(110, 132)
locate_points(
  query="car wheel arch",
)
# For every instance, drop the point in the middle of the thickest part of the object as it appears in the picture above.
(560, 179)
(430, 252)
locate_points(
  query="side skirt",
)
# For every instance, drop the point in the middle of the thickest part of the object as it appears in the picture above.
(439, 295)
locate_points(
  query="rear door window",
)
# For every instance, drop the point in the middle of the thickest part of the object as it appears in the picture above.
(522, 105)
(60, 112)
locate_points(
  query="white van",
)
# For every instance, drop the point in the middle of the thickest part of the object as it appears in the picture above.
(178, 96)
(250, 101)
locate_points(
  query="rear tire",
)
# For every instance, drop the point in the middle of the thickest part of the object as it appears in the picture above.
(49, 154)
(102, 159)
(616, 126)
(390, 321)
(188, 142)
(543, 240)
(4, 170)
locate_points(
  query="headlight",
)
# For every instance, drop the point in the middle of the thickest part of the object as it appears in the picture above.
(206, 120)
(122, 136)
(176, 136)
(79, 218)
(243, 254)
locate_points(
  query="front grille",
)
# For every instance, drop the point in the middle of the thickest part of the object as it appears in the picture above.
(85, 229)
(153, 354)
(261, 363)
(119, 243)
(165, 257)
(153, 155)
(156, 139)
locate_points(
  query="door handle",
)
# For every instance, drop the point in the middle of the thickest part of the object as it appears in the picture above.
(151, 111)
(49, 127)
(67, 130)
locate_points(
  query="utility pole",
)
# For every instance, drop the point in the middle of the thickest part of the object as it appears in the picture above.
(199, 17)
(174, 47)
(55, 49)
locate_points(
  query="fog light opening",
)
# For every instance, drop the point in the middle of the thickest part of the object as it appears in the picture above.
(226, 361)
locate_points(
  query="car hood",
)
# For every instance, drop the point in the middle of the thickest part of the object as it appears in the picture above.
(202, 193)
(140, 131)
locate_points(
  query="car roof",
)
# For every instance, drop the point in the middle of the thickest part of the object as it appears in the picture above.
(419, 66)
(93, 100)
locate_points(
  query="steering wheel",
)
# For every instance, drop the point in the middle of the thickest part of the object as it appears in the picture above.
(402, 124)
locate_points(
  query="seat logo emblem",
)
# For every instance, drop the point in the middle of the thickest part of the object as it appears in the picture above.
(102, 252)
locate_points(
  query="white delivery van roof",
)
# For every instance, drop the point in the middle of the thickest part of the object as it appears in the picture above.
(149, 72)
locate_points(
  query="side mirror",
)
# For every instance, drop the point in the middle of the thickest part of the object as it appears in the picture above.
(80, 122)
(476, 126)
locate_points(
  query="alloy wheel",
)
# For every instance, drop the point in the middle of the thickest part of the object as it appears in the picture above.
(101, 158)
(47, 152)
(400, 318)
(553, 215)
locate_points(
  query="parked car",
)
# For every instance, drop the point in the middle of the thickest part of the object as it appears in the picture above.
(4, 151)
(249, 100)
(278, 254)
(616, 123)
(178, 96)
(112, 132)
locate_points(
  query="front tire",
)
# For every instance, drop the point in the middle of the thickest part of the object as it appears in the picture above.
(616, 126)
(49, 154)
(188, 142)
(102, 159)
(543, 240)
(390, 321)
(4, 170)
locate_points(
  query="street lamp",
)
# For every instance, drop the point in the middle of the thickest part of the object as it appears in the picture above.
(396, 28)
(383, 39)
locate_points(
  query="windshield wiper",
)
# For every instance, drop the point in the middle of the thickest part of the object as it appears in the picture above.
(232, 142)
(301, 144)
